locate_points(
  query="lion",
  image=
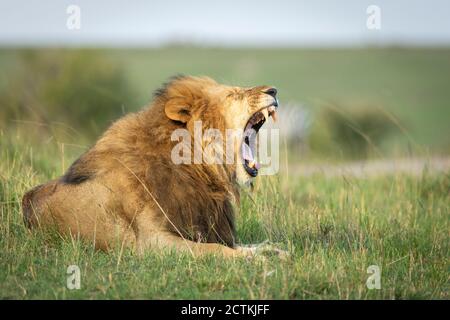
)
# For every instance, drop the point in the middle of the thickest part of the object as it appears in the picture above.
(126, 189)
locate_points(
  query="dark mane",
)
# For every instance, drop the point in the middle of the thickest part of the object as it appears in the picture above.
(80, 171)
(162, 90)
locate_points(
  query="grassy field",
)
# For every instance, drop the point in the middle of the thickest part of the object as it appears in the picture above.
(334, 228)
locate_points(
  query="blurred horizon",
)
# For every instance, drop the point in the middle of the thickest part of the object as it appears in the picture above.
(268, 24)
(358, 79)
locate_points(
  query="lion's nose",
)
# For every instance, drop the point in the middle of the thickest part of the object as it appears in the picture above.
(271, 92)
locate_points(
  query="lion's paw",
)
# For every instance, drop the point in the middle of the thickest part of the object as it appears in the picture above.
(263, 250)
(270, 250)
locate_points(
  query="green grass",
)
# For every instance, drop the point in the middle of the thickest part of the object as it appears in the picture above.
(334, 228)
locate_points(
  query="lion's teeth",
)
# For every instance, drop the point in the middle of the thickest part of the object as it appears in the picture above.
(271, 111)
(274, 116)
(251, 164)
(265, 113)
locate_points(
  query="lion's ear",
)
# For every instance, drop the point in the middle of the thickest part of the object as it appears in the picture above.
(178, 109)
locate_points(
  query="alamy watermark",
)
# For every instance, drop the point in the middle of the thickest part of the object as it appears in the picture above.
(373, 21)
(74, 17)
(212, 146)
(374, 280)
(74, 277)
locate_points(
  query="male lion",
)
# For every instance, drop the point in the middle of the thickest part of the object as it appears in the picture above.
(126, 190)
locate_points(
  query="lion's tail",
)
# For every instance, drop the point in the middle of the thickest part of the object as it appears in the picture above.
(32, 203)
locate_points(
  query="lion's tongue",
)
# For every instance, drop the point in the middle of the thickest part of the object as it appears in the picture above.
(247, 154)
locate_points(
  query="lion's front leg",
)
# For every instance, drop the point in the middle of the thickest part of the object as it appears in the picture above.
(151, 235)
(162, 240)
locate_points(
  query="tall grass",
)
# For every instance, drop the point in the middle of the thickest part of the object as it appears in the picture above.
(334, 229)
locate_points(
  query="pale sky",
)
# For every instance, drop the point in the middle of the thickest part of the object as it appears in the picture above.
(224, 23)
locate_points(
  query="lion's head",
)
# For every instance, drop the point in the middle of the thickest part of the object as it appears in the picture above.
(190, 100)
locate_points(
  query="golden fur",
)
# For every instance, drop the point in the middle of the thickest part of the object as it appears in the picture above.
(126, 190)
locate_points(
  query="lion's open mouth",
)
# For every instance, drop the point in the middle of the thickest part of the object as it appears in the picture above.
(248, 148)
